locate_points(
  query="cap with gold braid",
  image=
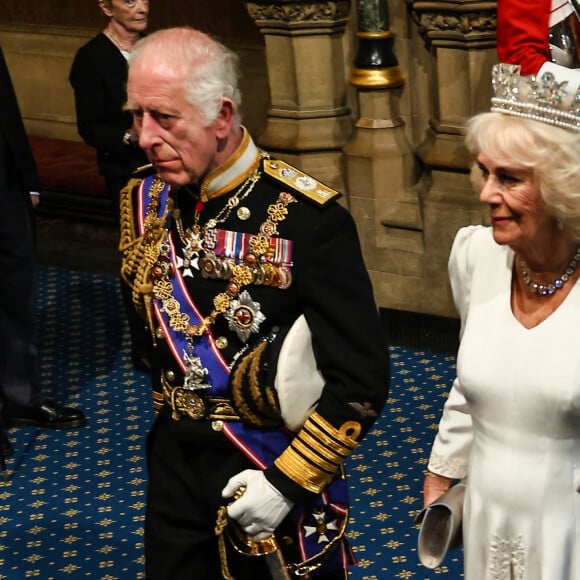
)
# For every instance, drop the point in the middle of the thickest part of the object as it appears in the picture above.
(318, 451)
(541, 98)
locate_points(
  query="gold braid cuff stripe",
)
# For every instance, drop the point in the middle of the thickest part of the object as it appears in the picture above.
(322, 448)
(317, 452)
(325, 464)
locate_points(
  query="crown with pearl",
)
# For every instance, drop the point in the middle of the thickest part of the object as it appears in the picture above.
(541, 98)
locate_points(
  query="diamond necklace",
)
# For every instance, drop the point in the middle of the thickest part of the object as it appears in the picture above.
(548, 290)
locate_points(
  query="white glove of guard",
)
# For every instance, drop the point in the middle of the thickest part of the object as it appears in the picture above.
(261, 508)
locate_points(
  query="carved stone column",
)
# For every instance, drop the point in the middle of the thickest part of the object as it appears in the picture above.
(309, 120)
(408, 212)
(460, 35)
(380, 162)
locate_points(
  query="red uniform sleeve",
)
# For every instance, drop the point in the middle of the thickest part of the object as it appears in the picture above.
(522, 33)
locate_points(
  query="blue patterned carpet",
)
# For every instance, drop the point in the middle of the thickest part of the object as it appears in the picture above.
(73, 505)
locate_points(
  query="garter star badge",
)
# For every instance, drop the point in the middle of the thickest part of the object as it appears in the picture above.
(244, 316)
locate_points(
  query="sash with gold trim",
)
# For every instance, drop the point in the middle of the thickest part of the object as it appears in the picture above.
(322, 524)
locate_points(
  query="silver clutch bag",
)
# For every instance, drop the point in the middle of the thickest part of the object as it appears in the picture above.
(441, 529)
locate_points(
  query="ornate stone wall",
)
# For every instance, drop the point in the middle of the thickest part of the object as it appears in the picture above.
(309, 119)
(394, 144)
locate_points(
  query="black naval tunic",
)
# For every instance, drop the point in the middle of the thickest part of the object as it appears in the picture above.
(330, 286)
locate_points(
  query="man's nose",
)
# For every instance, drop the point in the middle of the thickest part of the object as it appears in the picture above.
(148, 131)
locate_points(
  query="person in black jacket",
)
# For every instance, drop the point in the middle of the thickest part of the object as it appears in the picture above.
(233, 256)
(98, 76)
(21, 399)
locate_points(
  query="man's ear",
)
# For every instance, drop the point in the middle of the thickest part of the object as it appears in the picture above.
(225, 118)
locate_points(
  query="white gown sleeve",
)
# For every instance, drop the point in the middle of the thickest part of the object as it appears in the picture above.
(450, 452)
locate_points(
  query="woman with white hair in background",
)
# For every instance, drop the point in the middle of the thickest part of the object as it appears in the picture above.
(99, 77)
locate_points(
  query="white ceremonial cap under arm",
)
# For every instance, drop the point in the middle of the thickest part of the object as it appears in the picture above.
(561, 74)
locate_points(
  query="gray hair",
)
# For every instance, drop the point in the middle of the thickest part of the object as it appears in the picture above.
(552, 153)
(210, 70)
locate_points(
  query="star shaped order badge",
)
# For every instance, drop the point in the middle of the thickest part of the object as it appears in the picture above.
(244, 316)
(321, 528)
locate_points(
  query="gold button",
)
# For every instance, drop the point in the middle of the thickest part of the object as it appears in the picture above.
(170, 376)
(244, 213)
(221, 342)
(159, 333)
(217, 425)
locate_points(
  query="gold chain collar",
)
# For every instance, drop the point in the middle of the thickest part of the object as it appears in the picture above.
(243, 274)
(195, 232)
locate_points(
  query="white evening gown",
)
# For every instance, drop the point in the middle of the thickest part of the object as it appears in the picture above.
(512, 423)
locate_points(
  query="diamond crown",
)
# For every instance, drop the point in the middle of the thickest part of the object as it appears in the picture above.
(539, 98)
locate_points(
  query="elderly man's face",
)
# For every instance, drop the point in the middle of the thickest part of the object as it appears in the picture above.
(170, 130)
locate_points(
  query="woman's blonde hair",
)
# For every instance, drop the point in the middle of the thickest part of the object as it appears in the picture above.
(552, 153)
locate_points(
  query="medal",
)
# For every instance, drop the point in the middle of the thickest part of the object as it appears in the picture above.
(190, 259)
(244, 316)
(195, 372)
(322, 528)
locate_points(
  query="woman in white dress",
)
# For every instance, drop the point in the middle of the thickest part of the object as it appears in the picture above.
(511, 424)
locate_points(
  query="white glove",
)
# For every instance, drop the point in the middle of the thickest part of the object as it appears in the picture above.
(261, 508)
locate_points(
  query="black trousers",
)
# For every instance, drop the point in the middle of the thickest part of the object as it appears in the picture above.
(189, 464)
(19, 380)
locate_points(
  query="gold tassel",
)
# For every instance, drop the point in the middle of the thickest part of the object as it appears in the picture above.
(221, 523)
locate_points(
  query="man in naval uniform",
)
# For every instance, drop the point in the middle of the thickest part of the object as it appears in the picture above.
(540, 36)
(229, 252)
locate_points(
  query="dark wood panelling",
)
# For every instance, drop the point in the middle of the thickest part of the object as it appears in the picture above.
(81, 13)
(226, 19)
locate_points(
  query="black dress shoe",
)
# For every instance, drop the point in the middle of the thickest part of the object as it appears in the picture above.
(48, 414)
(7, 448)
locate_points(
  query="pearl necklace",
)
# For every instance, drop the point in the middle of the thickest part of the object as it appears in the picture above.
(548, 290)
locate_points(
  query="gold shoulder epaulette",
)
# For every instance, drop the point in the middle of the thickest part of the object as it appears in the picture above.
(304, 184)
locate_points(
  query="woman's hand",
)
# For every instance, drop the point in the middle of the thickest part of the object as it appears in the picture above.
(434, 487)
